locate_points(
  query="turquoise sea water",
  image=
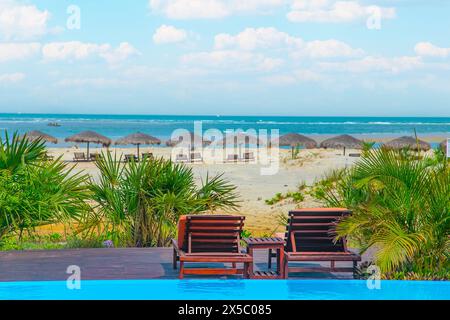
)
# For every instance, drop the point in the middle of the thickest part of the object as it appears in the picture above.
(115, 126)
(227, 289)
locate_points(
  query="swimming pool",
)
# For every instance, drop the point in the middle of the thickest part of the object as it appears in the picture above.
(226, 289)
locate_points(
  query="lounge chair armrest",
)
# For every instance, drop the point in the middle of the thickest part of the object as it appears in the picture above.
(176, 248)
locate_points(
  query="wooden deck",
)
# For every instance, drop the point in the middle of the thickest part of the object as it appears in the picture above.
(106, 264)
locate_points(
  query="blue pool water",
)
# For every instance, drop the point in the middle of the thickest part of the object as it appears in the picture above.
(227, 289)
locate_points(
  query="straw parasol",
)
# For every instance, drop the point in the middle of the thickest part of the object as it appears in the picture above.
(137, 139)
(294, 139)
(89, 137)
(409, 143)
(35, 135)
(238, 139)
(342, 141)
(195, 140)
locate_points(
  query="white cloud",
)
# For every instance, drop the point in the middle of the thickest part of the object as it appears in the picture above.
(375, 64)
(211, 9)
(328, 49)
(20, 22)
(270, 38)
(336, 11)
(119, 54)
(76, 50)
(296, 76)
(89, 82)
(260, 38)
(11, 77)
(429, 49)
(232, 60)
(18, 51)
(169, 34)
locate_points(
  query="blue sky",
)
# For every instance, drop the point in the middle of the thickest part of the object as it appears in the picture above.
(271, 57)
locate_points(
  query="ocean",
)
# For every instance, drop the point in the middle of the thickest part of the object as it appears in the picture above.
(116, 126)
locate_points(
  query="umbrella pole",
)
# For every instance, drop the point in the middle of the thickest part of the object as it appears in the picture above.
(292, 152)
(138, 151)
(88, 151)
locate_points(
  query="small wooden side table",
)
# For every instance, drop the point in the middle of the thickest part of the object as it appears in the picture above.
(269, 244)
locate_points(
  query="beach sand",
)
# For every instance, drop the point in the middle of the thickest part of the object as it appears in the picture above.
(253, 187)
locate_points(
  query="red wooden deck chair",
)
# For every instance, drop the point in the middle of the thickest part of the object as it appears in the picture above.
(210, 238)
(310, 236)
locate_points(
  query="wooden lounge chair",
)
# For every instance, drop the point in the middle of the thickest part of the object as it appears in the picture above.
(248, 156)
(95, 156)
(79, 156)
(196, 157)
(210, 239)
(130, 158)
(48, 157)
(181, 158)
(309, 237)
(232, 158)
(148, 156)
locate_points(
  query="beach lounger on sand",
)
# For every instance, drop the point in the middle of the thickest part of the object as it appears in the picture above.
(210, 239)
(232, 158)
(181, 158)
(309, 238)
(94, 156)
(79, 156)
(248, 156)
(131, 157)
(196, 157)
(147, 156)
(48, 157)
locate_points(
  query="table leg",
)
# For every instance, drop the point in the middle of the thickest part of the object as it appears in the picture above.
(269, 262)
(250, 265)
(280, 265)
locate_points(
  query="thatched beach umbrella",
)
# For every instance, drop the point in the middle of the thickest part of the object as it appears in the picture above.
(138, 139)
(194, 141)
(408, 143)
(89, 137)
(342, 142)
(294, 140)
(239, 138)
(35, 135)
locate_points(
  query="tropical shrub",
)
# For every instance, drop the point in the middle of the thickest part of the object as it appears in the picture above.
(139, 204)
(36, 192)
(400, 207)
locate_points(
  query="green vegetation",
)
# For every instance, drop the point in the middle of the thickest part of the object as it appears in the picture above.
(35, 192)
(367, 146)
(400, 207)
(139, 204)
(296, 196)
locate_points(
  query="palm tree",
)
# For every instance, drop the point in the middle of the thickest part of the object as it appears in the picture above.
(402, 210)
(140, 203)
(36, 192)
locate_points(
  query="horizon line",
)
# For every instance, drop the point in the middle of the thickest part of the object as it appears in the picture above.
(210, 115)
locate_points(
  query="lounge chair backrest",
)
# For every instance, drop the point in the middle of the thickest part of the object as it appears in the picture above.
(196, 155)
(248, 155)
(233, 157)
(79, 155)
(313, 230)
(213, 233)
(147, 155)
(181, 157)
